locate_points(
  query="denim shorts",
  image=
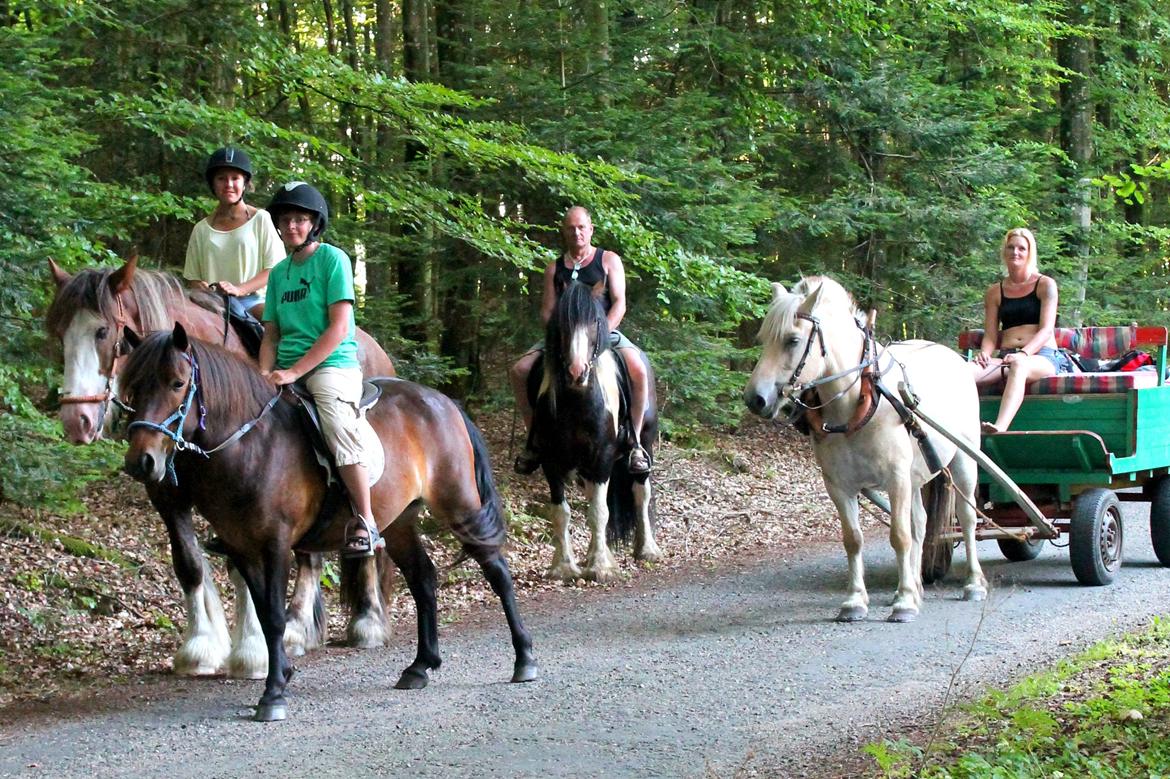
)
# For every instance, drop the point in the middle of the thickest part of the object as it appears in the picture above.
(1058, 357)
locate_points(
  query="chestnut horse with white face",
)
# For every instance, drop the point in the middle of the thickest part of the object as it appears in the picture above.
(817, 353)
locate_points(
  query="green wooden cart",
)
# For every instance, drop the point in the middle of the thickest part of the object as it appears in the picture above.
(1077, 441)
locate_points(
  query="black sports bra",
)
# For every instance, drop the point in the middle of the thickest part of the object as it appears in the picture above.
(1024, 310)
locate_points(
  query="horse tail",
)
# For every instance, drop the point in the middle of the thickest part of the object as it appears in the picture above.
(623, 515)
(481, 533)
(938, 498)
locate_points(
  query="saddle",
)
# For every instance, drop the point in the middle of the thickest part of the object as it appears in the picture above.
(335, 492)
(248, 328)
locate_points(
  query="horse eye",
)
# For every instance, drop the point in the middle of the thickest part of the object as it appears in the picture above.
(177, 384)
(101, 333)
(792, 341)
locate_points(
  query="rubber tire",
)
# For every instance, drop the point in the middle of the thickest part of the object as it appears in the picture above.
(1021, 551)
(1096, 517)
(1160, 519)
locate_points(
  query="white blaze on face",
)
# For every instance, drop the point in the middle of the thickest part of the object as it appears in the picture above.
(579, 353)
(83, 376)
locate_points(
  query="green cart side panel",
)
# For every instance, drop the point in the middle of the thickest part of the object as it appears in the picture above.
(1080, 440)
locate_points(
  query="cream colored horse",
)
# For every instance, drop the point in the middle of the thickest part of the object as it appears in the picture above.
(813, 339)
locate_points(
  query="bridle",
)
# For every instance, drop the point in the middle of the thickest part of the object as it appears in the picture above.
(597, 349)
(806, 402)
(178, 418)
(107, 395)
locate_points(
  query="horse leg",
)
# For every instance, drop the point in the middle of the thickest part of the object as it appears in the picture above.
(249, 657)
(907, 599)
(410, 556)
(645, 547)
(599, 563)
(495, 570)
(206, 641)
(564, 565)
(917, 536)
(267, 579)
(306, 621)
(360, 590)
(964, 473)
(856, 605)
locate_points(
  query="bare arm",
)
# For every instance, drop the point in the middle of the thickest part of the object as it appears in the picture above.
(1046, 332)
(548, 302)
(990, 325)
(617, 289)
(246, 287)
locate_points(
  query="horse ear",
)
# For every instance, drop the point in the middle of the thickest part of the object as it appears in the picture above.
(179, 338)
(778, 291)
(60, 277)
(812, 300)
(121, 278)
(132, 339)
(598, 290)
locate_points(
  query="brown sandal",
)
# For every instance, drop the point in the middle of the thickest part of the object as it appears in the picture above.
(361, 538)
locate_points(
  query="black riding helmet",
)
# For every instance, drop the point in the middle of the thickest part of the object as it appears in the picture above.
(299, 196)
(227, 157)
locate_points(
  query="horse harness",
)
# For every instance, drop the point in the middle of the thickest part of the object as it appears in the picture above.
(807, 416)
(107, 396)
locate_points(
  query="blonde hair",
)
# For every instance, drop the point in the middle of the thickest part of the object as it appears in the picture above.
(1026, 234)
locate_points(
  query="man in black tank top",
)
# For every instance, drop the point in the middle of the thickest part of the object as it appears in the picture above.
(590, 264)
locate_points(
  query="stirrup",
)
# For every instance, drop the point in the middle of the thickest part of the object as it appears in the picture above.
(361, 545)
(639, 461)
(526, 462)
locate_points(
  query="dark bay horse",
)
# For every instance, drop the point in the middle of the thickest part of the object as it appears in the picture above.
(88, 315)
(578, 428)
(263, 491)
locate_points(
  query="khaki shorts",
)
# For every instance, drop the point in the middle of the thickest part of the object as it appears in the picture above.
(338, 392)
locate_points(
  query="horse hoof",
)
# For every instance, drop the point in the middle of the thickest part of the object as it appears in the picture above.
(852, 614)
(600, 575)
(974, 594)
(903, 615)
(524, 672)
(648, 555)
(411, 680)
(564, 572)
(270, 712)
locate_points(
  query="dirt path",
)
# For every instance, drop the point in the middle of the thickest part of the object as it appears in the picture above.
(707, 670)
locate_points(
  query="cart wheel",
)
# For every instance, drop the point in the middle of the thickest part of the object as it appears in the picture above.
(1021, 551)
(1095, 536)
(1160, 519)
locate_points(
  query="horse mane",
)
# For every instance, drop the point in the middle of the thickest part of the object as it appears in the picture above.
(230, 386)
(576, 306)
(782, 312)
(156, 292)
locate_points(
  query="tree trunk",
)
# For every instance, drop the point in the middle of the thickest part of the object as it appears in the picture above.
(415, 269)
(1076, 139)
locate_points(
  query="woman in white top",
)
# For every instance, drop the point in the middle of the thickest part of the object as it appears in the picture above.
(233, 248)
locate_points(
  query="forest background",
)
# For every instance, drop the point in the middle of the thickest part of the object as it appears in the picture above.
(719, 145)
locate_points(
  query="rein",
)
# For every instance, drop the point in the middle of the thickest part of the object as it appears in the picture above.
(179, 418)
(107, 396)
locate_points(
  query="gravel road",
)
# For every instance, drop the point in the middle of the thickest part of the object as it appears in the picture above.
(710, 672)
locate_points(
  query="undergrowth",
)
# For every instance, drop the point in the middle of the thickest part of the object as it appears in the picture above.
(1104, 713)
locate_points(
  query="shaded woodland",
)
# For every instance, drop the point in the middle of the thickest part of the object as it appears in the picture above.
(719, 145)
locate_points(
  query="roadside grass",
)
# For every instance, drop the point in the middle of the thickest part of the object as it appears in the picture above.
(1104, 713)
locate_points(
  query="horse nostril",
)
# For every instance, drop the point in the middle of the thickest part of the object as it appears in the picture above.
(755, 402)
